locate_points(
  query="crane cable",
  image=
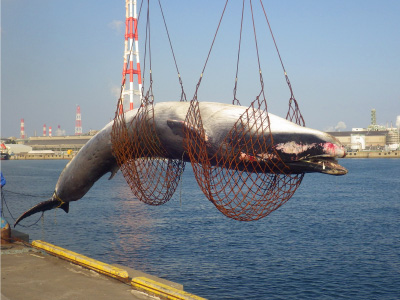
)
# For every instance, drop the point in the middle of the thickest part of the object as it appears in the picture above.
(183, 94)
(209, 52)
(236, 101)
(292, 101)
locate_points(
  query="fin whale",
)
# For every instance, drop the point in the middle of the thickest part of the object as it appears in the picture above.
(302, 149)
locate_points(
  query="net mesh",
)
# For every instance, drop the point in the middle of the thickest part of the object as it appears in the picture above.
(152, 177)
(245, 178)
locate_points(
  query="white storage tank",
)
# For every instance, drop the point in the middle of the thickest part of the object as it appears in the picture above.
(393, 139)
(357, 141)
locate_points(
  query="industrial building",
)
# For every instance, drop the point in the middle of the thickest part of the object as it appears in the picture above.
(362, 139)
(373, 138)
(47, 147)
(58, 143)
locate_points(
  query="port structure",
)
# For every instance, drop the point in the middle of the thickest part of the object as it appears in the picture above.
(22, 134)
(78, 121)
(131, 57)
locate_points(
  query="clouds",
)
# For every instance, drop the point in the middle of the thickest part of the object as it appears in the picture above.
(117, 26)
(339, 127)
(60, 132)
(115, 91)
(88, 67)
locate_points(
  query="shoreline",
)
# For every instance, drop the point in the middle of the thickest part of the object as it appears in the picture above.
(374, 154)
(42, 157)
(358, 154)
(55, 272)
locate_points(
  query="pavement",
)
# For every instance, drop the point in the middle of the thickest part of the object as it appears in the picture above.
(28, 273)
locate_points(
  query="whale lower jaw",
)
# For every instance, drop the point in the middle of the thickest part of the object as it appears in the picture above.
(326, 165)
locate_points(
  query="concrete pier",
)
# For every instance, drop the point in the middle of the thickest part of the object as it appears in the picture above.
(374, 154)
(31, 273)
(28, 273)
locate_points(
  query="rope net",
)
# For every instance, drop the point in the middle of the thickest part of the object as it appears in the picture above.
(152, 177)
(244, 177)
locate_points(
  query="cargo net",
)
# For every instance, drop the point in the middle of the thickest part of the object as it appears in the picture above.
(152, 177)
(245, 178)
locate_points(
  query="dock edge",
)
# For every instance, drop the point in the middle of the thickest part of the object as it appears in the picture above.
(141, 283)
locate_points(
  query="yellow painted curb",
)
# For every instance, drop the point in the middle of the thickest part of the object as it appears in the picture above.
(162, 290)
(82, 260)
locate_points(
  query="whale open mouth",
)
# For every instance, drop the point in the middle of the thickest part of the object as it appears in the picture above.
(326, 165)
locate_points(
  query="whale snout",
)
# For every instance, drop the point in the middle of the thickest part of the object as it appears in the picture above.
(334, 150)
(317, 154)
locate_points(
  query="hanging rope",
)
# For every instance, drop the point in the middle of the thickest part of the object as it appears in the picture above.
(227, 176)
(4, 203)
(183, 94)
(244, 177)
(293, 113)
(152, 178)
(236, 101)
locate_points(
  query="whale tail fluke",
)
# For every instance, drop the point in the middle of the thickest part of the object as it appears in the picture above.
(43, 206)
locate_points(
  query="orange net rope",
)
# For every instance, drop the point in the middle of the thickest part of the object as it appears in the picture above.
(152, 177)
(244, 176)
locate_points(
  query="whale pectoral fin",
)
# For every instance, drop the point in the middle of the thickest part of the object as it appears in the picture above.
(113, 172)
(65, 206)
(177, 127)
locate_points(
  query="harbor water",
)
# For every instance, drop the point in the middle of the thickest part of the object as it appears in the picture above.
(337, 238)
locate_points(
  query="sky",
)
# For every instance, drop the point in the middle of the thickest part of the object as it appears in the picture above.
(342, 59)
